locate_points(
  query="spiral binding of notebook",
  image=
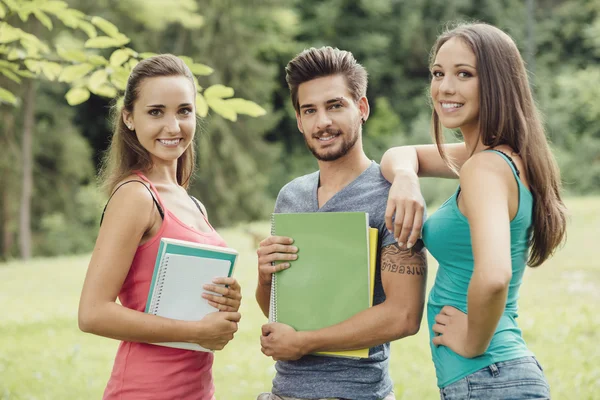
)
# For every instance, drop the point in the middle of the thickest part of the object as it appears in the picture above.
(160, 283)
(273, 302)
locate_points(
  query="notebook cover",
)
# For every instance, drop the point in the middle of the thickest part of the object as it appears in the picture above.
(329, 282)
(188, 266)
(362, 353)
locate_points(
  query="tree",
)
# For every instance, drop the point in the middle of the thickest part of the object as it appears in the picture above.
(85, 70)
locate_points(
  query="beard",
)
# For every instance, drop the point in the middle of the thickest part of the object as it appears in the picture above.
(347, 143)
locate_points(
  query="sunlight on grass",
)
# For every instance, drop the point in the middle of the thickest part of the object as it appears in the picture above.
(43, 355)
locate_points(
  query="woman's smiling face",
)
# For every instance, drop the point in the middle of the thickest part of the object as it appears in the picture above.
(455, 86)
(163, 117)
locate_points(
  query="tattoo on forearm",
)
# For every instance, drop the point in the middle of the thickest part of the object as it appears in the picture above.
(407, 262)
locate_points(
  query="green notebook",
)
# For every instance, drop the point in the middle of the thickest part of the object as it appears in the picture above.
(330, 280)
(180, 271)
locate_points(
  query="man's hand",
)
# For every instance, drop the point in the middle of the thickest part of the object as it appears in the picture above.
(274, 248)
(281, 342)
(452, 325)
(405, 207)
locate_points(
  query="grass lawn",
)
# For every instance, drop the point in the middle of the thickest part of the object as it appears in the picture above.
(43, 355)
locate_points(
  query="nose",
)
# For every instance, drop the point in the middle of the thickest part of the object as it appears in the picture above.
(447, 85)
(323, 120)
(172, 124)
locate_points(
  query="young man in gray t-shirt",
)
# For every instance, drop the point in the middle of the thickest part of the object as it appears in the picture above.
(328, 89)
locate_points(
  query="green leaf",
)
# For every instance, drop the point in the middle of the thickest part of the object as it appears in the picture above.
(119, 78)
(51, 69)
(145, 55)
(16, 54)
(201, 69)
(97, 79)
(103, 42)
(24, 14)
(7, 96)
(218, 91)
(187, 60)
(247, 107)
(77, 96)
(201, 105)
(2, 11)
(106, 27)
(10, 75)
(196, 84)
(9, 65)
(71, 18)
(25, 73)
(74, 72)
(96, 59)
(33, 66)
(221, 108)
(131, 64)
(32, 44)
(8, 33)
(12, 5)
(43, 18)
(105, 91)
(53, 7)
(118, 57)
(71, 55)
(88, 28)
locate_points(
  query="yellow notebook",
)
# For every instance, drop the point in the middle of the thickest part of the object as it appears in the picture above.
(362, 353)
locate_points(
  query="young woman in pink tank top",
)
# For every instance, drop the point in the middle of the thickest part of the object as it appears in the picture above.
(147, 172)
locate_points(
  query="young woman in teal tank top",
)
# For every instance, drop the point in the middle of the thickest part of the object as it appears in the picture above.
(506, 213)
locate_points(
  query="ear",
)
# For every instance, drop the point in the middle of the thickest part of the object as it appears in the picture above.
(363, 107)
(128, 120)
(299, 122)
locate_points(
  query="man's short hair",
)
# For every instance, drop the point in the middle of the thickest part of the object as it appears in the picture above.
(325, 61)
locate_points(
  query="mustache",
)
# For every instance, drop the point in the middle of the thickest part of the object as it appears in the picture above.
(328, 132)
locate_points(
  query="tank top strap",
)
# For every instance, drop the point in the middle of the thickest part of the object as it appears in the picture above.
(158, 206)
(510, 162)
(152, 188)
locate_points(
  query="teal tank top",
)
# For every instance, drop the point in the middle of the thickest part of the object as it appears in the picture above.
(447, 237)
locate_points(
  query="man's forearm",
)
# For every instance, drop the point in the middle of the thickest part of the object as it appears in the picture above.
(263, 297)
(372, 327)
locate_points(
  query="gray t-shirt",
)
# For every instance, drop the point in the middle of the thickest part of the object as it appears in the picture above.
(318, 376)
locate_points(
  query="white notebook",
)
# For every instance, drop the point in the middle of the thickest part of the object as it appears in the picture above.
(181, 269)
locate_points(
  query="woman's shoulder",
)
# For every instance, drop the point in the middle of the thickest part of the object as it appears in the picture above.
(484, 169)
(133, 193)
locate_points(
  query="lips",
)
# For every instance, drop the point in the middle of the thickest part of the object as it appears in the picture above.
(170, 142)
(449, 105)
(327, 136)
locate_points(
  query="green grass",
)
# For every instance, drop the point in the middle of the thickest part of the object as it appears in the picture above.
(43, 355)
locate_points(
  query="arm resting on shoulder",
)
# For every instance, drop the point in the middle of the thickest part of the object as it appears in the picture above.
(423, 160)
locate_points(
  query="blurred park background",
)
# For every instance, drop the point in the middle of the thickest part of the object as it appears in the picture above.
(63, 65)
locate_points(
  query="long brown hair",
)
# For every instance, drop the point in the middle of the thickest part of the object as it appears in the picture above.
(125, 153)
(315, 63)
(508, 115)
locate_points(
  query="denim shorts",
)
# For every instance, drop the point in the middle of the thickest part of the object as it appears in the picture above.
(270, 396)
(518, 379)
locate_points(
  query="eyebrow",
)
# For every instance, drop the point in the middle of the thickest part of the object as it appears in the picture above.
(163, 106)
(456, 65)
(340, 99)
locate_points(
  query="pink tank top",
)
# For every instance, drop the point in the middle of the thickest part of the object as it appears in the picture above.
(145, 371)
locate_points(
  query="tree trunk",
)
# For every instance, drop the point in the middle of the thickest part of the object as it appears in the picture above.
(27, 182)
(6, 217)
